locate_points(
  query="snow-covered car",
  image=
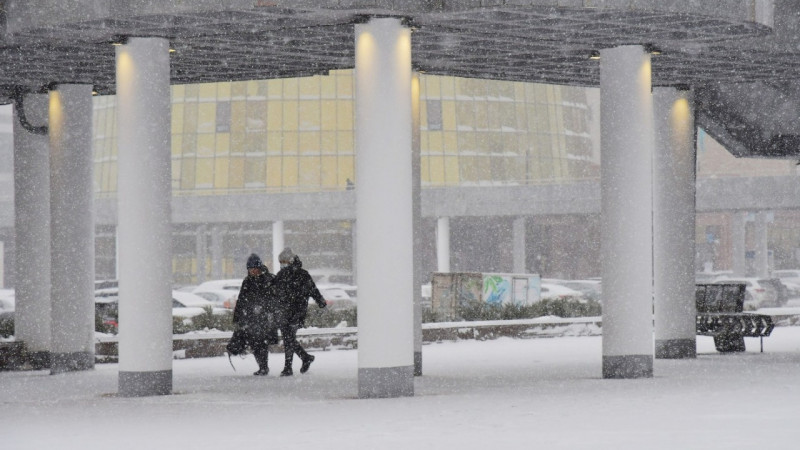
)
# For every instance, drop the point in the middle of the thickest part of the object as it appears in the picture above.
(187, 304)
(227, 285)
(591, 289)
(759, 292)
(7, 306)
(556, 292)
(791, 279)
(184, 305)
(221, 298)
(338, 295)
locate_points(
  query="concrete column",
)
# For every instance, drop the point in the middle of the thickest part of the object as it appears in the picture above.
(71, 228)
(674, 223)
(416, 211)
(761, 262)
(354, 250)
(32, 228)
(518, 248)
(443, 244)
(201, 250)
(216, 252)
(738, 249)
(277, 244)
(384, 202)
(626, 225)
(144, 195)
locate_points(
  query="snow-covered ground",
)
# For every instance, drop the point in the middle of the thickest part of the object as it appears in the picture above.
(508, 393)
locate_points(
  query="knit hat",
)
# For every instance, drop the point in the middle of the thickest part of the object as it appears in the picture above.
(254, 262)
(287, 255)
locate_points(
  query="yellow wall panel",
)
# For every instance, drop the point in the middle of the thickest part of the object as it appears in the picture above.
(289, 171)
(345, 142)
(290, 88)
(204, 173)
(274, 171)
(177, 118)
(344, 115)
(187, 173)
(238, 116)
(309, 87)
(274, 89)
(346, 170)
(274, 143)
(344, 85)
(329, 168)
(289, 142)
(221, 173)
(255, 171)
(309, 176)
(309, 142)
(436, 167)
(223, 91)
(223, 144)
(328, 115)
(327, 86)
(328, 142)
(290, 116)
(451, 170)
(309, 115)
(450, 142)
(236, 172)
(205, 144)
(449, 117)
(275, 115)
(208, 91)
(206, 117)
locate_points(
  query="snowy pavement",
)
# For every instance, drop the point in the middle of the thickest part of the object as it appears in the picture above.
(507, 393)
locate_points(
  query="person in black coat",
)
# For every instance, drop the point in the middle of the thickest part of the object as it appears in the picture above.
(293, 287)
(252, 315)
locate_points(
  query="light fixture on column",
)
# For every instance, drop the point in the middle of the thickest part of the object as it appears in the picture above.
(119, 39)
(683, 87)
(594, 54)
(652, 49)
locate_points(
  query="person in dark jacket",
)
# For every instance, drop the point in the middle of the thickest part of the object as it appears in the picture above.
(293, 286)
(252, 314)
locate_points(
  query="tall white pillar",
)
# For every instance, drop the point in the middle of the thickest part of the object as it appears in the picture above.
(384, 202)
(518, 248)
(761, 261)
(416, 208)
(626, 225)
(674, 223)
(144, 194)
(738, 246)
(201, 250)
(32, 228)
(71, 228)
(443, 244)
(277, 244)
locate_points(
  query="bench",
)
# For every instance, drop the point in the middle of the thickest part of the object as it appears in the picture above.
(720, 313)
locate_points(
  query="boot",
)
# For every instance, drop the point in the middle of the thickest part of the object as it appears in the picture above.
(306, 363)
(262, 358)
(287, 372)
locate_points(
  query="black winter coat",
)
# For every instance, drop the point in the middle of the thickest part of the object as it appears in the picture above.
(254, 305)
(293, 286)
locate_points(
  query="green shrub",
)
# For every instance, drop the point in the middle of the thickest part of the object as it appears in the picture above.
(6, 327)
(476, 310)
(325, 318)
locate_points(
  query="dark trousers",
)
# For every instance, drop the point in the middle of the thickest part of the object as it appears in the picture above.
(290, 344)
(260, 347)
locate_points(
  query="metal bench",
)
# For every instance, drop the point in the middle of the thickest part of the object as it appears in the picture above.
(720, 313)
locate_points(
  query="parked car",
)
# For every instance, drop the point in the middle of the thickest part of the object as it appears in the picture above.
(552, 291)
(791, 279)
(590, 289)
(187, 305)
(759, 292)
(221, 298)
(228, 285)
(184, 305)
(7, 307)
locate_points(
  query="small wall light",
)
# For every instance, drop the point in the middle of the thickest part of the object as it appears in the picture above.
(594, 54)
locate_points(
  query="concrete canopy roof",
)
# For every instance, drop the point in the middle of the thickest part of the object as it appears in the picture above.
(535, 40)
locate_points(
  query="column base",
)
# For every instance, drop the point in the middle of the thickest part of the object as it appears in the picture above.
(386, 382)
(145, 384)
(71, 362)
(676, 349)
(417, 364)
(628, 366)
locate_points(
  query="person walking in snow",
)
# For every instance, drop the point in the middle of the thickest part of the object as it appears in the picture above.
(293, 287)
(252, 315)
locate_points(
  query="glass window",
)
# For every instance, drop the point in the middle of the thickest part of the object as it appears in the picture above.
(255, 172)
(223, 116)
(434, 114)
